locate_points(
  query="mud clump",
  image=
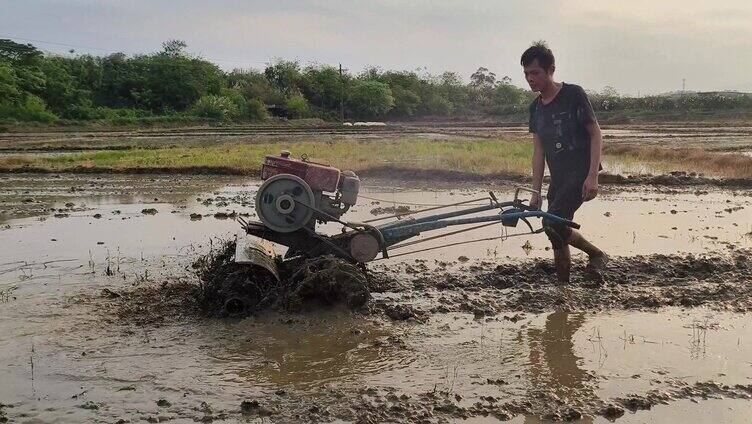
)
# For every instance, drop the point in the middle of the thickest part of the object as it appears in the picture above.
(391, 210)
(253, 407)
(231, 289)
(404, 312)
(326, 280)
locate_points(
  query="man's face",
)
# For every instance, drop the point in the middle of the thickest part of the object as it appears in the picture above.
(536, 76)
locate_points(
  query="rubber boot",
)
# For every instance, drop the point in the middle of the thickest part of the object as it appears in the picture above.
(562, 264)
(596, 257)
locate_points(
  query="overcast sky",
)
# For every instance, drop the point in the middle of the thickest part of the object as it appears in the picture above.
(644, 46)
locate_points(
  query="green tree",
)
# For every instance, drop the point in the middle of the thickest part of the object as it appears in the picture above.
(508, 98)
(254, 85)
(407, 89)
(321, 85)
(483, 78)
(174, 48)
(59, 91)
(16, 53)
(453, 89)
(174, 82)
(435, 104)
(406, 101)
(9, 92)
(284, 75)
(370, 99)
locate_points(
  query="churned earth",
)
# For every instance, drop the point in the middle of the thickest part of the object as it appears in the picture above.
(104, 314)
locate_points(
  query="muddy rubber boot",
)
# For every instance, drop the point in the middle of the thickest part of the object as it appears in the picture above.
(563, 265)
(598, 262)
(593, 271)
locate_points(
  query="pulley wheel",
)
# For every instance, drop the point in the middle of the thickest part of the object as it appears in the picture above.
(364, 247)
(277, 203)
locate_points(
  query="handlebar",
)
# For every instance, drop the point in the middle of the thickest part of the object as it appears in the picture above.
(517, 191)
(525, 207)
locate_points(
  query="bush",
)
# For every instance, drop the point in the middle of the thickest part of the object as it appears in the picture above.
(215, 107)
(256, 110)
(236, 97)
(31, 109)
(296, 107)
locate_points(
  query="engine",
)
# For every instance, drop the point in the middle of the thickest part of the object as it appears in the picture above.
(297, 193)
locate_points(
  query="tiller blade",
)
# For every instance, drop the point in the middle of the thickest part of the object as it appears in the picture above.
(251, 250)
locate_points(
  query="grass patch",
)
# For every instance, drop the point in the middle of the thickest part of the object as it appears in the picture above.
(459, 157)
(476, 156)
(733, 165)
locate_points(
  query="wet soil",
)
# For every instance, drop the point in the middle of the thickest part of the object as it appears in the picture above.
(116, 331)
(503, 293)
(487, 288)
(417, 291)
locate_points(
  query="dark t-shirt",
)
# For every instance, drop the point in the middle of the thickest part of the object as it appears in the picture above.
(561, 127)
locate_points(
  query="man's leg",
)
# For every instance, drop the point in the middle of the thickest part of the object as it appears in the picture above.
(578, 241)
(562, 264)
(559, 236)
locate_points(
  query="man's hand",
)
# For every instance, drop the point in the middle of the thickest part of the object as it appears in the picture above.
(535, 200)
(590, 187)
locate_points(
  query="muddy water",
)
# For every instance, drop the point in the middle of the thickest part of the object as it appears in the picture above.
(66, 356)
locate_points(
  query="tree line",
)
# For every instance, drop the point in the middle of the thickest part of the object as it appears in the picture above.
(172, 85)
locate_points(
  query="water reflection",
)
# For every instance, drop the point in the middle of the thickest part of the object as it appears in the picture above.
(554, 367)
(304, 354)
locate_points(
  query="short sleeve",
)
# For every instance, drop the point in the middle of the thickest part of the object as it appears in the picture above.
(531, 125)
(585, 113)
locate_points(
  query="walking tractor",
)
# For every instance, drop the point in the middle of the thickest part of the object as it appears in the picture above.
(298, 194)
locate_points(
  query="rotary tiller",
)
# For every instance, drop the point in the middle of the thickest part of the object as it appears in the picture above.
(298, 194)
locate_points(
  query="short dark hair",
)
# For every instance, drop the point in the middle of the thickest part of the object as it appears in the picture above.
(539, 50)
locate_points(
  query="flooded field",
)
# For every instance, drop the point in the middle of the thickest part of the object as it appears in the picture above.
(471, 333)
(710, 136)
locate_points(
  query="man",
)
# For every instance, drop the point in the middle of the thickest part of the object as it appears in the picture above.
(567, 137)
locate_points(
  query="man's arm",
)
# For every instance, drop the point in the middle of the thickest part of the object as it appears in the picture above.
(538, 167)
(590, 187)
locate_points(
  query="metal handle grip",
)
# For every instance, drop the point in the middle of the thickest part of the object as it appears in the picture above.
(517, 191)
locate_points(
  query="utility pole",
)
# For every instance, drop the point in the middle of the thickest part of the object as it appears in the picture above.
(684, 85)
(341, 96)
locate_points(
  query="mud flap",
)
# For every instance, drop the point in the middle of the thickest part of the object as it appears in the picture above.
(253, 250)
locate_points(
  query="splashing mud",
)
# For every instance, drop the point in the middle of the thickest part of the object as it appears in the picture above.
(226, 288)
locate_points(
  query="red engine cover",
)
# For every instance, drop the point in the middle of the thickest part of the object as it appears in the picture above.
(319, 177)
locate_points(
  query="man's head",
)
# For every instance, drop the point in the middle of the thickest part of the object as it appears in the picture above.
(539, 65)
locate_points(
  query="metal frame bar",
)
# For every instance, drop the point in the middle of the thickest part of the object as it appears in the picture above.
(389, 234)
(415, 228)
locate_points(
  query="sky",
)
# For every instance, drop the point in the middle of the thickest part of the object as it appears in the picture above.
(638, 46)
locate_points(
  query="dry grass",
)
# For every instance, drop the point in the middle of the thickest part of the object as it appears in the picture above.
(733, 165)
